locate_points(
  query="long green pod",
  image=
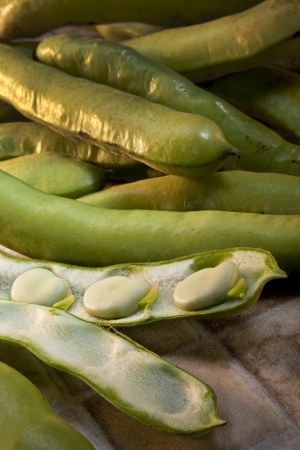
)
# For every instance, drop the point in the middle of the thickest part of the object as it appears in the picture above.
(23, 18)
(270, 94)
(228, 39)
(56, 174)
(135, 380)
(27, 138)
(261, 149)
(250, 192)
(256, 266)
(165, 139)
(28, 421)
(66, 230)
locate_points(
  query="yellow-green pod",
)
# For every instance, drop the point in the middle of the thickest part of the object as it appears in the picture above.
(236, 37)
(56, 174)
(27, 138)
(236, 190)
(23, 18)
(269, 94)
(165, 139)
(28, 421)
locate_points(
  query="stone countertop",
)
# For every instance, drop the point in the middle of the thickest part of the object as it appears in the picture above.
(252, 361)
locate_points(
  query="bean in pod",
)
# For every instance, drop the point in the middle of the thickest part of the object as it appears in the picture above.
(232, 38)
(269, 94)
(135, 380)
(56, 174)
(27, 138)
(243, 191)
(165, 139)
(256, 267)
(28, 421)
(83, 235)
(23, 18)
(261, 149)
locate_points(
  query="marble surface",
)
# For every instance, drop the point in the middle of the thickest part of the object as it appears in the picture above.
(252, 361)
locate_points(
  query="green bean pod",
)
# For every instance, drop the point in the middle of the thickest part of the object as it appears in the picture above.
(83, 235)
(56, 174)
(27, 138)
(23, 18)
(135, 380)
(269, 94)
(256, 266)
(261, 149)
(251, 192)
(165, 139)
(28, 421)
(232, 38)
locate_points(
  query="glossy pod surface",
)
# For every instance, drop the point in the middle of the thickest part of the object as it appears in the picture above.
(256, 266)
(27, 138)
(235, 37)
(165, 139)
(261, 149)
(84, 235)
(270, 94)
(28, 421)
(56, 174)
(23, 18)
(135, 380)
(263, 193)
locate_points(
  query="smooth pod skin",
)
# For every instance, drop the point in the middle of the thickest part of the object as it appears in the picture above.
(56, 174)
(23, 18)
(135, 380)
(231, 38)
(26, 138)
(261, 149)
(270, 94)
(65, 230)
(256, 266)
(28, 421)
(262, 193)
(165, 139)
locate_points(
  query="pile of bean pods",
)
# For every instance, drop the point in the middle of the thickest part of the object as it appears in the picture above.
(154, 141)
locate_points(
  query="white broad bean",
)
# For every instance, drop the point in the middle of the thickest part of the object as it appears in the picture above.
(40, 286)
(208, 287)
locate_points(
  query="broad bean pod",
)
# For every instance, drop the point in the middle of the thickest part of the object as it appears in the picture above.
(269, 94)
(28, 421)
(257, 266)
(262, 193)
(163, 138)
(27, 138)
(81, 234)
(261, 149)
(23, 18)
(56, 174)
(135, 380)
(235, 37)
